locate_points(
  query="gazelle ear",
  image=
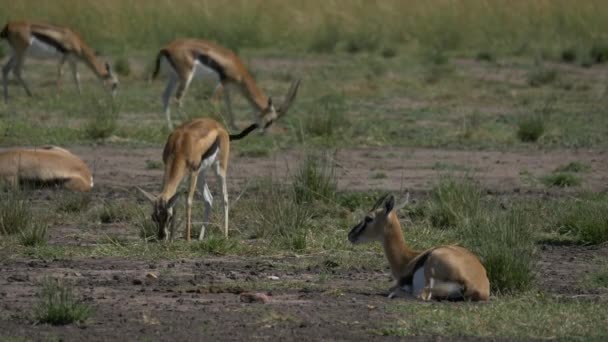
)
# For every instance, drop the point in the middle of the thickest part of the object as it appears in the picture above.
(148, 195)
(389, 204)
(403, 201)
(173, 200)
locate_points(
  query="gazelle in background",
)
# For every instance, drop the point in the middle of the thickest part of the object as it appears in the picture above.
(46, 165)
(443, 272)
(187, 58)
(193, 148)
(44, 41)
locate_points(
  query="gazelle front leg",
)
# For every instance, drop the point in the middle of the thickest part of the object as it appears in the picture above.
(191, 191)
(231, 122)
(208, 199)
(6, 69)
(76, 75)
(17, 72)
(60, 72)
(167, 98)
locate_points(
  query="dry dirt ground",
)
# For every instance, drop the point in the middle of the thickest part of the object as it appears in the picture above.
(198, 299)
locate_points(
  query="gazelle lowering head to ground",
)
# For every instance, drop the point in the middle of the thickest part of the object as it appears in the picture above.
(188, 58)
(44, 41)
(46, 165)
(444, 272)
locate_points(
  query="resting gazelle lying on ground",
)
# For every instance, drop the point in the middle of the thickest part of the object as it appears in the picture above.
(192, 148)
(188, 58)
(443, 272)
(44, 41)
(45, 165)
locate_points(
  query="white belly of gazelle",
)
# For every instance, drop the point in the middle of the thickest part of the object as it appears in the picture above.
(205, 163)
(41, 50)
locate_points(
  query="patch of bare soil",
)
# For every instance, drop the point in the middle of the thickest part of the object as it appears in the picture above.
(362, 169)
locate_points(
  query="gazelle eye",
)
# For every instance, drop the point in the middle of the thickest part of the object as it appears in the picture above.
(368, 219)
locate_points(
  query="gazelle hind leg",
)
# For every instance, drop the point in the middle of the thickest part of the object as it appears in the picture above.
(169, 89)
(208, 199)
(182, 89)
(6, 69)
(191, 191)
(60, 72)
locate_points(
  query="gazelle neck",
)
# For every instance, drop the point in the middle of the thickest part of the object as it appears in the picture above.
(398, 253)
(90, 59)
(254, 94)
(174, 173)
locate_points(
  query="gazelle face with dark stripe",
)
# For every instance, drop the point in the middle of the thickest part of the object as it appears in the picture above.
(371, 228)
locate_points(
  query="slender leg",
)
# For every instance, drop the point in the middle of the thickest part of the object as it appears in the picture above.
(217, 93)
(208, 199)
(191, 191)
(60, 72)
(181, 92)
(17, 72)
(76, 75)
(5, 70)
(222, 178)
(229, 109)
(167, 98)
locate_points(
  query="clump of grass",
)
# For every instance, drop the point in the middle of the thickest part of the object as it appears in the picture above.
(504, 242)
(103, 122)
(326, 38)
(388, 52)
(599, 53)
(599, 278)
(73, 202)
(453, 202)
(586, 219)
(573, 167)
(34, 234)
(58, 306)
(148, 230)
(561, 179)
(122, 66)
(328, 116)
(378, 175)
(315, 179)
(112, 212)
(541, 76)
(485, 56)
(278, 217)
(531, 128)
(362, 41)
(15, 212)
(215, 244)
(153, 165)
(569, 55)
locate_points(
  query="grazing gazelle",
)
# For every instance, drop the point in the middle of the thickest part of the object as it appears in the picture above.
(45, 165)
(191, 149)
(44, 41)
(187, 58)
(443, 272)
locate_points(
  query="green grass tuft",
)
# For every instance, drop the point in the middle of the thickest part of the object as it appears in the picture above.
(485, 56)
(15, 212)
(315, 179)
(574, 167)
(58, 306)
(569, 55)
(104, 120)
(530, 129)
(541, 76)
(561, 179)
(587, 219)
(452, 202)
(73, 202)
(34, 234)
(153, 165)
(122, 66)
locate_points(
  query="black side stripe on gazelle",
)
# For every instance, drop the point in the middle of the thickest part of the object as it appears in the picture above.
(209, 62)
(50, 41)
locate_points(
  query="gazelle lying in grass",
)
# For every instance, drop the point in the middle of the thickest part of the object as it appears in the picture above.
(46, 165)
(443, 272)
(44, 41)
(187, 58)
(193, 148)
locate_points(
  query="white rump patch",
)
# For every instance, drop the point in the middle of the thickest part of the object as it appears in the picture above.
(205, 163)
(41, 50)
